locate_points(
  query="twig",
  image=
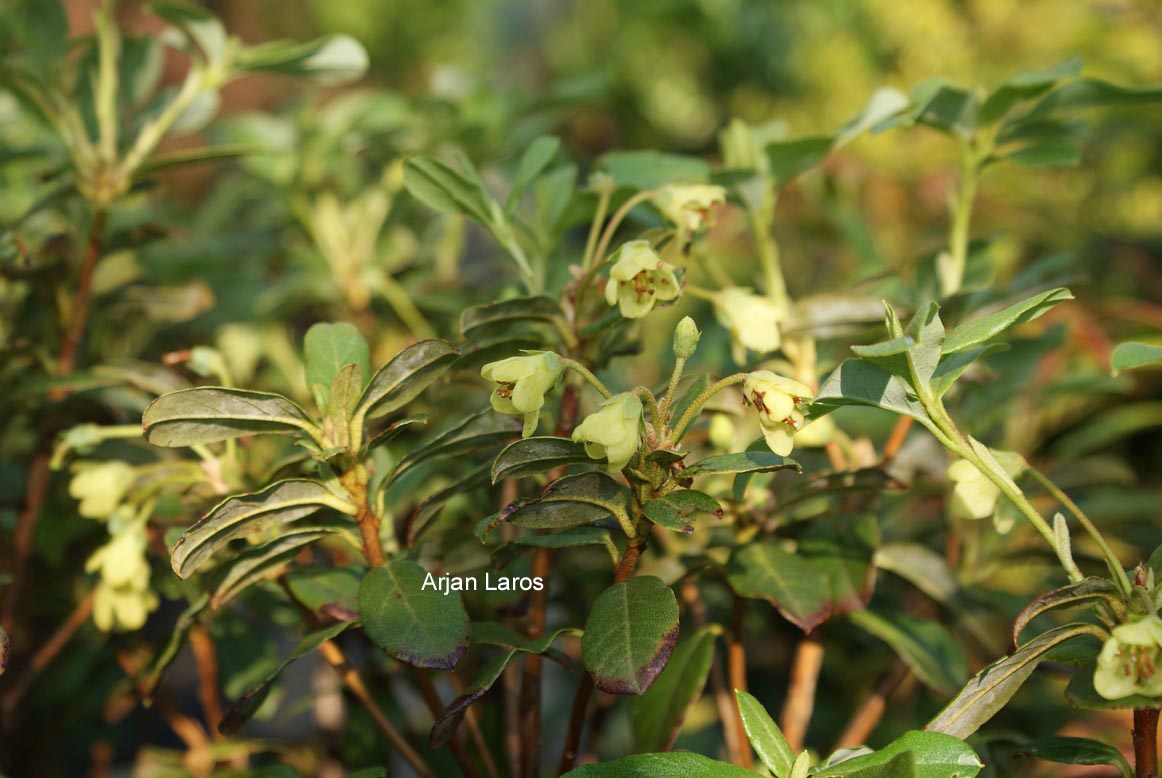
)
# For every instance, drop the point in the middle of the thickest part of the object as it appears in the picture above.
(354, 682)
(736, 665)
(1146, 742)
(895, 440)
(206, 664)
(865, 719)
(800, 701)
(733, 731)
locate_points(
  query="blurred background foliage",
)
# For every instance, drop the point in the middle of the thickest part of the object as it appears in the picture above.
(237, 255)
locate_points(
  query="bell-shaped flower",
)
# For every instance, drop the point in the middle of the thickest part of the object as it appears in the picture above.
(689, 207)
(640, 279)
(522, 383)
(100, 486)
(777, 399)
(753, 321)
(123, 609)
(122, 599)
(974, 496)
(1129, 661)
(613, 433)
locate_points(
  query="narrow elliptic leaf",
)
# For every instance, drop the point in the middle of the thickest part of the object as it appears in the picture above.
(535, 159)
(762, 570)
(392, 431)
(1086, 591)
(254, 566)
(209, 414)
(570, 538)
(925, 646)
(1084, 93)
(786, 159)
(1128, 356)
(177, 640)
(449, 721)
(420, 626)
(494, 318)
(858, 382)
(952, 366)
(407, 374)
(765, 736)
(630, 634)
(328, 348)
(443, 188)
(926, 330)
(658, 714)
(277, 505)
(1024, 86)
(1046, 154)
(572, 500)
(540, 454)
(978, 330)
(673, 510)
(1078, 750)
(991, 689)
(482, 430)
(248, 704)
(741, 462)
(333, 60)
(330, 590)
(678, 765)
(928, 755)
(643, 170)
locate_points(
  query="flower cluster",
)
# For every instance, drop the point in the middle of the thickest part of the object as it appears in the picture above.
(122, 600)
(1129, 661)
(777, 399)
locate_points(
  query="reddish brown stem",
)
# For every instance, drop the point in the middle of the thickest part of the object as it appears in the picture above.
(868, 715)
(206, 664)
(733, 731)
(1146, 742)
(624, 570)
(48, 652)
(736, 664)
(800, 703)
(355, 482)
(895, 440)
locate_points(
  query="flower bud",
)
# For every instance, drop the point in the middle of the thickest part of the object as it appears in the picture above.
(690, 208)
(613, 432)
(974, 496)
(777, 399)
(522, 383)
(753, 321)
(1129, 661)
(639, 279)
(686, 336)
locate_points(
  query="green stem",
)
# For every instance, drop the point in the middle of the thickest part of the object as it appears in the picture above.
(675, 377)
(598, 258)
(1087, 523)
(587, 374)
(651, 403)
(595, 229)
(702, 399)
(769, 257)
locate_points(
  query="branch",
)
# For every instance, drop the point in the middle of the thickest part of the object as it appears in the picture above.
(800, 701)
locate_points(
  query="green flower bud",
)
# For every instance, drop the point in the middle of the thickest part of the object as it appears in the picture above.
(777, 399)
(974, 496)
(613, 432)
(639, 279)
(686, 336)
(1129, 661)
(690, 208)
(753, 321)
(522, 383)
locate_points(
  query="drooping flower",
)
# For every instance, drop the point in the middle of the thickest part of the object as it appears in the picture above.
(777, 399)
(640, 279)
(613, 433)
(753, 321)
(122, 600)
(1129, 661)
(522, 383)
(974, 496)
(689, 207)
(100, 487)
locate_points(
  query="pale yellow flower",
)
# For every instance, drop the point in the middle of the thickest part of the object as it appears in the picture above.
(639, 279)
(613, 432)
(522, 383)
(690, 207)
(1129, 661)
(974, 496)
(753, 321)
(777, 399)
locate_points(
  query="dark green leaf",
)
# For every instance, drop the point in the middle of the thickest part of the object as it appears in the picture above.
(253, 566)
(486, 320)
(1078, 750)
(991, 689)
(405, 376)
(447, 190)
(644, 170)
(857, 382)
(570, 538)
(530, 456)
(741, 462)
(787, 159)
(332, 590)
(932, 755)
(1024, 86)
(209, 414)
(630, 634)
(672, 510)
(1094, 93)
(255, 514)
(765, 736)
(1047, 154)
(1086, 591)
(762, 570)
(482, 430)
(572, 500)
(658, 714)
(535, 159)
(420, 626)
